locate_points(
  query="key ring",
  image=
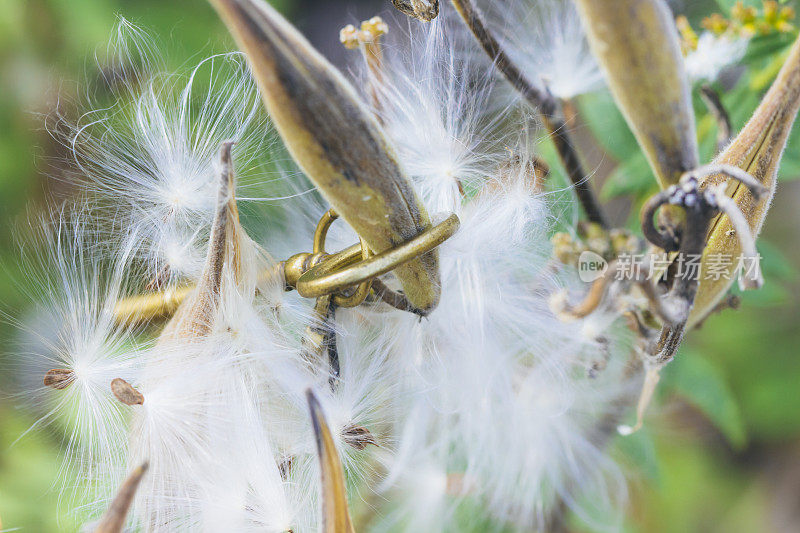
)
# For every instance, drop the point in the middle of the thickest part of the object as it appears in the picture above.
(342, 270)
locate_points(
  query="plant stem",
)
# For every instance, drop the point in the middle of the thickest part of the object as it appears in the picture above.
(548, 107)
(714, 103)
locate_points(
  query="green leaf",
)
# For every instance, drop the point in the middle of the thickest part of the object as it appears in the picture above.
(727, 5)
(632, 176)
(639, 450)
(765, 47)
(608, 125)
(775, 264)
(703, 385)
(761, 80)
(30, 472)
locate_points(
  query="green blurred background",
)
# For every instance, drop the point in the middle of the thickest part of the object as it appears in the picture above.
(721, 447)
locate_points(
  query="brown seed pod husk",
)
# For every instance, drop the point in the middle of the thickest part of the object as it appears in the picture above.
(757, 150)
(335, 513)
(195, 316)
(113, 521)
(335, 139)
(638, 46)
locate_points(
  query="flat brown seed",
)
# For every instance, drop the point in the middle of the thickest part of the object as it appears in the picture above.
(59, 378)
(125, 392)
(358, 437)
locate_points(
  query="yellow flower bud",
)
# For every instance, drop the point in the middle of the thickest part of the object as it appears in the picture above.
(716, 24)
(689, 37)
(745, 15)
(771, 12)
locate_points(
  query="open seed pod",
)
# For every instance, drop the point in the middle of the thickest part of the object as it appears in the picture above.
(335, 139)
(194, 316)
(757, 150)
(637, 44)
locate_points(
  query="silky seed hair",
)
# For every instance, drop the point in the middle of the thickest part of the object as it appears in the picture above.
(147, 160)
(450, 433)
(546, 40)
(420, 410)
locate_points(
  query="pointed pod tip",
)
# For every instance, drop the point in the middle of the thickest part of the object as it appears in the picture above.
(624, 36)
(113, 521)
(225, 150)
(335, 512)
(313, 403)
(227, 178)
(317, 418)
(311, 397)
(335, 138)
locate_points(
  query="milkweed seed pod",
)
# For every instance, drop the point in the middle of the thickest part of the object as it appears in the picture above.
(334, 138)
(637, 44)
(757, 150)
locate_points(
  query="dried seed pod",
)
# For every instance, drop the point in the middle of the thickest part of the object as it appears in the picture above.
(638, 46)
(335, 514)
(757, 150)
(194, 317)
(114, 518)
(335, 139)
(143, 308)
